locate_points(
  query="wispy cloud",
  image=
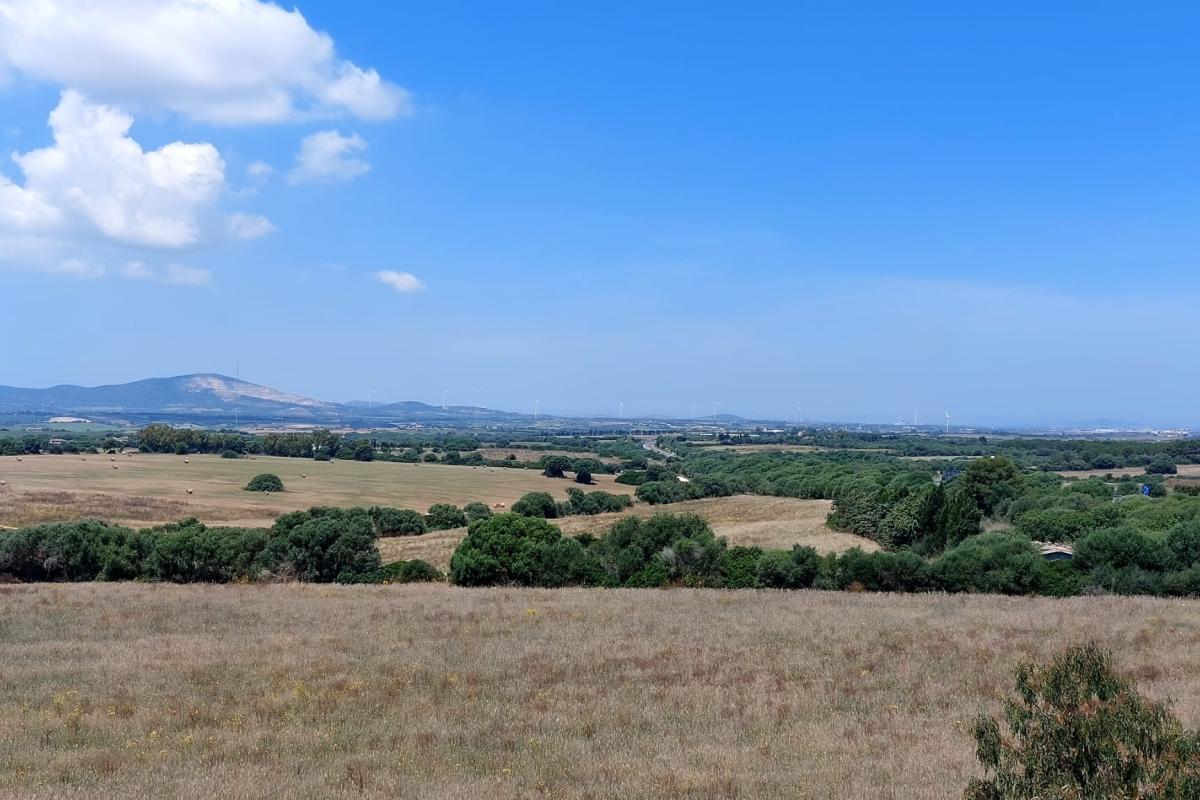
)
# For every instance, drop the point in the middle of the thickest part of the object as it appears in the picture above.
(173, 275)
(329, 157)
(402, 282)
(248, 226)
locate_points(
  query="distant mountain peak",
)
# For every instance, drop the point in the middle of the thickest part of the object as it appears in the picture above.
(229, 389)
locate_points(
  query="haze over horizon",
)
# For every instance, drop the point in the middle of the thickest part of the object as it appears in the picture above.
(777, 206)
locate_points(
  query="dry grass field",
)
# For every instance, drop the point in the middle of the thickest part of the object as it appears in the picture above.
(525, 454)
(1185, 471)
(152, 489)
(769, 522)
(305, 691)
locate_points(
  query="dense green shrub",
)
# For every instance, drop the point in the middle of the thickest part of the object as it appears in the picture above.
(510, 549)
(266, 482)
(738, 567)
(195, 553)
(536, 504)
(632, 477)
(875, 572)
(224, 453)
(665, 548)
(443, 516)
(315, 548)
(1077, 729)
(396, 521)
(1161, 466)
(323, 549)
(789, 569)
(999, 563)
(599, 502)
(1119, 548)
(414, 571)
(555, 466)
(74, 551)
(476, 510)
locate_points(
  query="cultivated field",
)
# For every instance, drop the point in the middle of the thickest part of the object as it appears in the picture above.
(768, 522)
(305, 691)
(152, 489)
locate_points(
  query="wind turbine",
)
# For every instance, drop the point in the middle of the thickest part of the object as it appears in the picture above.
(369, 395)
(443, 399)
(947, 422)
(693, 410)
(536, 403)
(477, 406)
(621, 410)
(799, 415)
(715, 404)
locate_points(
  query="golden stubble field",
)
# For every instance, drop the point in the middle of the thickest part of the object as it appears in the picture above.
(149, 489)
(750, 520)
(306, 691)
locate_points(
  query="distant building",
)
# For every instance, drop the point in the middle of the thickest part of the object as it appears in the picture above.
(1055, 552)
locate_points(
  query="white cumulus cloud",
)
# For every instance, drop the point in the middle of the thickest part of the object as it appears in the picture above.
(328, 157)
(96, 179)
(248, 226)
(402, 282)
(223, 61)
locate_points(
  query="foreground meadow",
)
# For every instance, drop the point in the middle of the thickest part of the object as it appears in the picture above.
(306, 691)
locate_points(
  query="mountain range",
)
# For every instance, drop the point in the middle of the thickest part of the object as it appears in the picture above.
(209, 397)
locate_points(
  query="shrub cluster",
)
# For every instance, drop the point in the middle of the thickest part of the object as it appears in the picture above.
(541, 504)
(317, 548)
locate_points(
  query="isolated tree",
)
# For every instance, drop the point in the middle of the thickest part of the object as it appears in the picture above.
(583, 476)
(266, 482)
(1078, 730)
(1161, 466)
(555, 466)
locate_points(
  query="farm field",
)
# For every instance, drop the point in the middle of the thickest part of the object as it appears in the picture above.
(751, 520)
(306, 691)
(1185, 471)
(149, 489)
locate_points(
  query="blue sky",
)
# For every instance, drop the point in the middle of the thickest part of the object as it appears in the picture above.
(846, 209)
